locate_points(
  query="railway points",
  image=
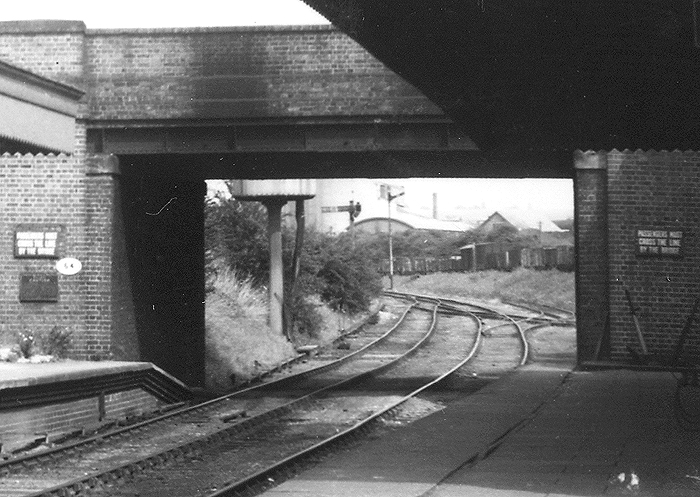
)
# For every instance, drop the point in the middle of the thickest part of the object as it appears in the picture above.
(546, 429)
(129, 116)
(537, 429)
(385, 372)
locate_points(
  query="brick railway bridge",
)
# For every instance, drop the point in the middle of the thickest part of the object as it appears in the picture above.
(113, 132)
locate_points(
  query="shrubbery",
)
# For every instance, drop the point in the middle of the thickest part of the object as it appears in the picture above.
(236, 237)
(236, 234)
(42, 347)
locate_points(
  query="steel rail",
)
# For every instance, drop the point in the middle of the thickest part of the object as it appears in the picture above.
(541, 308)
(7, 466)
(571, 314)
(266, 476)
(523, 339)
(493, 313)
(484, 311)
(490, 311)
(300, 357)
(332, 365)
(541, 325)
(105, 476)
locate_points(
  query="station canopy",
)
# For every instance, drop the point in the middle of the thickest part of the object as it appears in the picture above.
(36, 113)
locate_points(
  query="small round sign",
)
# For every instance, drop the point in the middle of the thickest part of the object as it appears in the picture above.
(69, 266)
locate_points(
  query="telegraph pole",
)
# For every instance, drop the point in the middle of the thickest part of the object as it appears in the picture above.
(389, 198)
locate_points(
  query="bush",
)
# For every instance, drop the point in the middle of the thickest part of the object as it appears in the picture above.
(236, 238)
(236, 234)
(331, 269)
(57, 343)
(347, 283)
(302, 315)
(26, 345)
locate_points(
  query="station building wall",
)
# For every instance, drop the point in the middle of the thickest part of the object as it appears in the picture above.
(73, 192)
(68, 194)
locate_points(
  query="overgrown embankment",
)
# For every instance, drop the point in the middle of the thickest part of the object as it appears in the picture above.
(330, 287)
(239, 343)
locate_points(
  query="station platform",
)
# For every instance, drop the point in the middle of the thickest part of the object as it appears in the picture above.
(39, 402)
(544, 430)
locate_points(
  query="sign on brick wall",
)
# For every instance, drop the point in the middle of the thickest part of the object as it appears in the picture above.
(659, 243)
(38, 287)
(35, 241)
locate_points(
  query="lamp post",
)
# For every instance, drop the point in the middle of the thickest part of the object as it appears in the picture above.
(389, 198)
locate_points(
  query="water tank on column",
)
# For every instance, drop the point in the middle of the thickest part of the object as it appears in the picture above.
(261, 189)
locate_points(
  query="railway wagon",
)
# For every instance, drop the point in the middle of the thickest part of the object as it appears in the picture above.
(565, 257)
(532, 257)
(483, 256)
(550, 257)
(560, 257)
(467, 255)
(432, 265)
(404, 265)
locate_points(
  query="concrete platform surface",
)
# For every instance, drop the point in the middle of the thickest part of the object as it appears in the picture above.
(542, 431)
(23, 374)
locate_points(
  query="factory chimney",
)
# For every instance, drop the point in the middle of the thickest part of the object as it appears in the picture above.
(435, 205)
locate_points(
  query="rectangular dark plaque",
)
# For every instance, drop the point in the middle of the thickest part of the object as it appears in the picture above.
(659, 243)
(38, 287)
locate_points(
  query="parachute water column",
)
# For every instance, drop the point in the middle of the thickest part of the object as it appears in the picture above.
(274, 194)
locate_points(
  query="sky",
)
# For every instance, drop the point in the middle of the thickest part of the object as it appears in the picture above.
(160, 14)
(553, 197)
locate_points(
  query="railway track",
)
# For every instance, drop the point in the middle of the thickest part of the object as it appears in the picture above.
(525, 319)
(250, 438)
(504, 345)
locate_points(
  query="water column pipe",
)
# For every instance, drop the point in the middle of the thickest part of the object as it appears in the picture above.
(276, 287)
(274, 194)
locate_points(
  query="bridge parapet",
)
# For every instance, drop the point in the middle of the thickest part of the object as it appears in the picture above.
(241, 73)
(216, 73)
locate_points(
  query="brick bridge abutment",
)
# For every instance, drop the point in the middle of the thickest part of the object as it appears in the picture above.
(166, 109)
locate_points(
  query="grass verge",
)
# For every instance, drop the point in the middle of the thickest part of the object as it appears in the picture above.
(239, 343)
(550, 287)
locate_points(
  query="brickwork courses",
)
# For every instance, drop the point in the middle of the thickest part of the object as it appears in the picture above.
(592, 250)
(634, 199)
(180, 76)
(42, 190)
(21, 425)
(240, 73)
(154, 74)
(653, 192)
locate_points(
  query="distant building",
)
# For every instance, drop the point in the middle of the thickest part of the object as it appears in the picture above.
(406, 221)
(520, 222)
(565, 224)
(325, 211)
